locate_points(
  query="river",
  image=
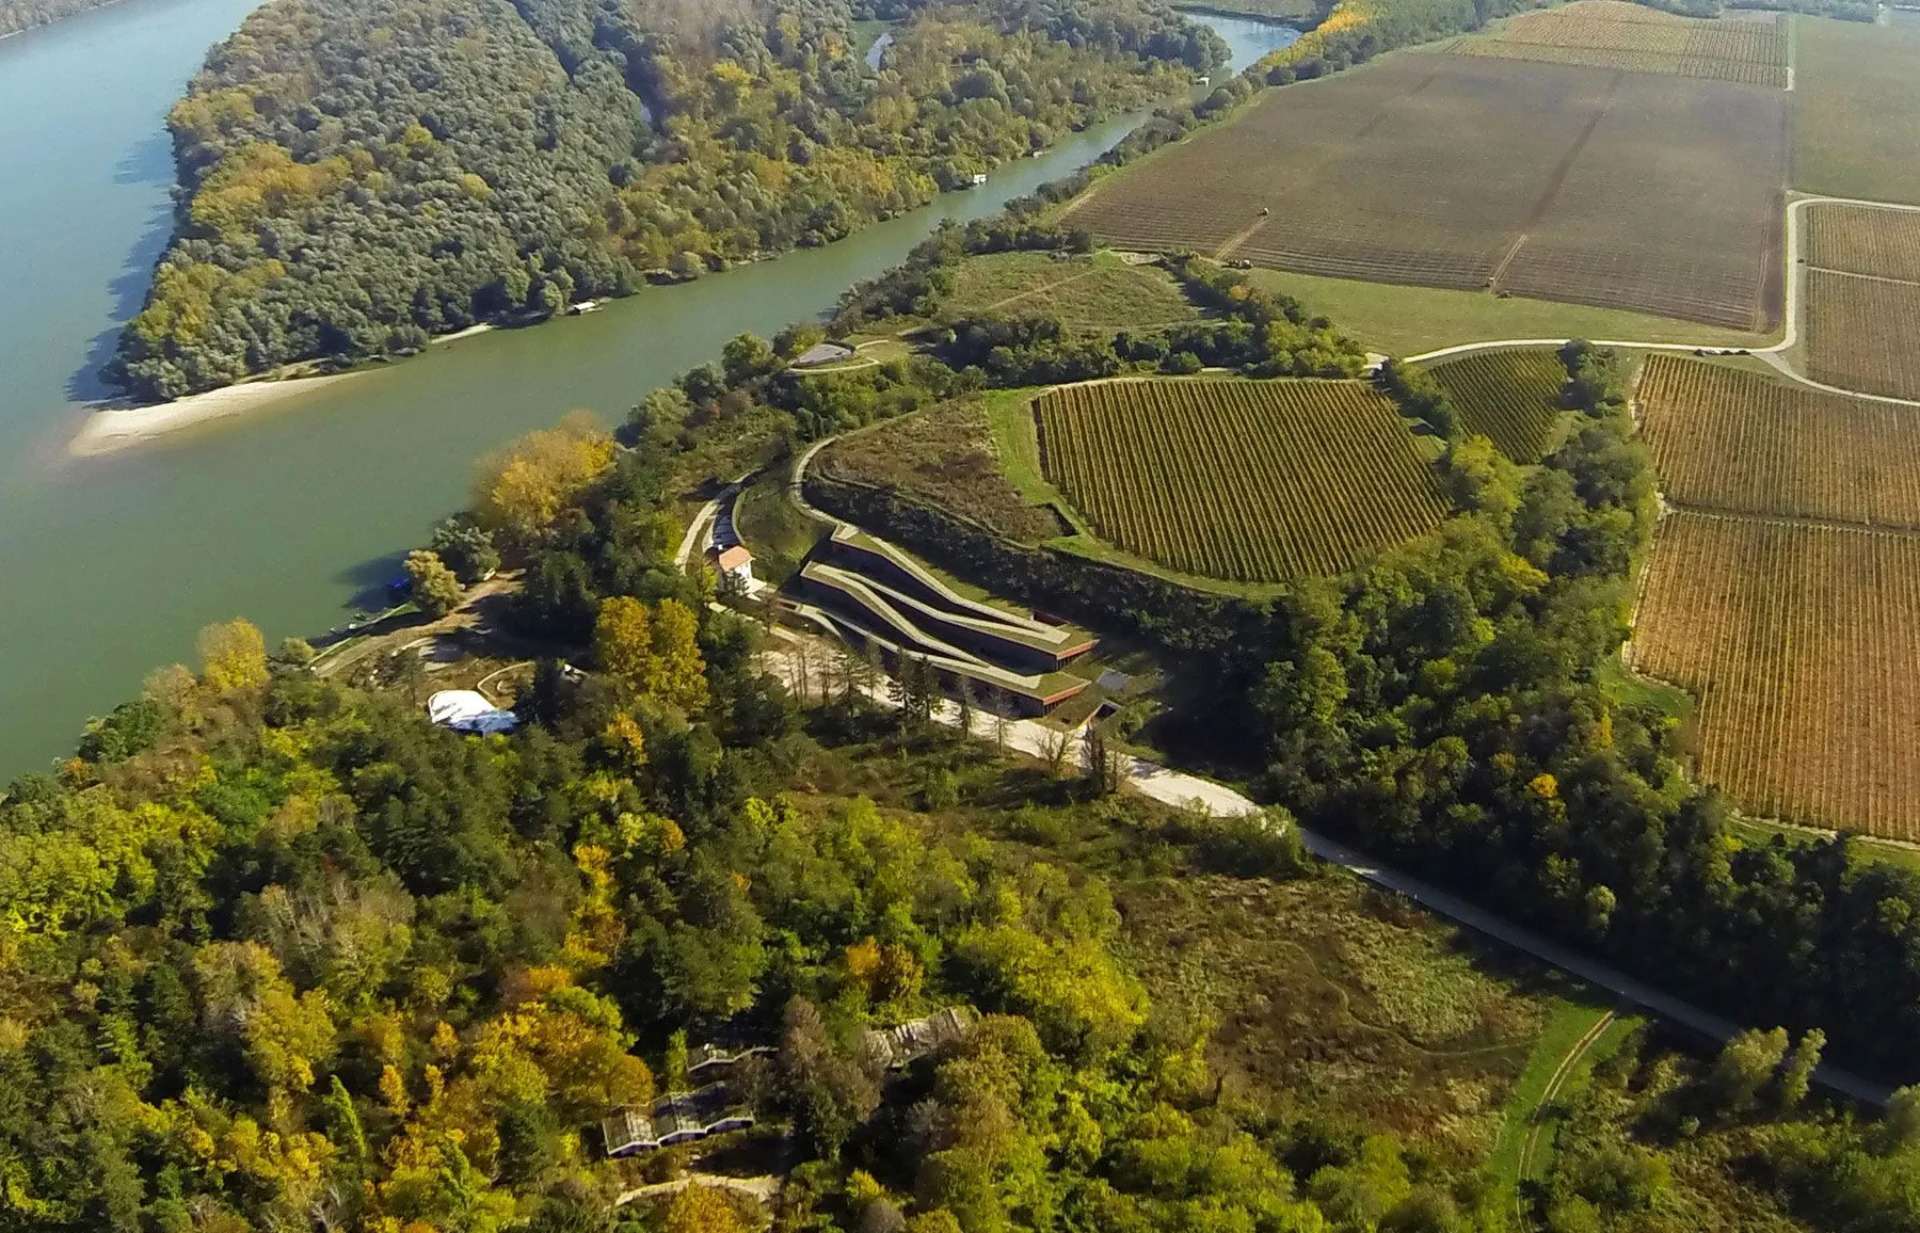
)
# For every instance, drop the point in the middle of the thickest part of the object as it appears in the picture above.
(294, 516)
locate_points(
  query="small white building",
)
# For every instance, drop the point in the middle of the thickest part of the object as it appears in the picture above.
(735, 567)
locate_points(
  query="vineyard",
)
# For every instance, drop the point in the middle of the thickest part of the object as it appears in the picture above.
(1510, 397)
(1730, 440)
(1860, 333)
(1615, 35)
(1474, 173)
(1861, 240)
(1251, 481)
(1799, 642)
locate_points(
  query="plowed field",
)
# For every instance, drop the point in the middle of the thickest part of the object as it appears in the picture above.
(1656, 194)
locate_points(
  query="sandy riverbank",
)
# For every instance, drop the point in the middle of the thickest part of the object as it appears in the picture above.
(113, 428)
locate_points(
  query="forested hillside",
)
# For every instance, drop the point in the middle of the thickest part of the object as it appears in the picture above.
(356, 176)
(18, 15)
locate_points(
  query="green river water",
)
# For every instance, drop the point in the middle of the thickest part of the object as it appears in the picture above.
(294, 515)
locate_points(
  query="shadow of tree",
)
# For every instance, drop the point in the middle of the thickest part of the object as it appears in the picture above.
(149, 161)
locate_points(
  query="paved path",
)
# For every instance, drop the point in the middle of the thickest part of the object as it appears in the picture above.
(1773, 355)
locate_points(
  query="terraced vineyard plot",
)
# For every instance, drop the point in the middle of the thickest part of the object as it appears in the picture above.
(1799, 641)
(1608, 34)
(1509, 397)
(1863, 240)
(1654, 194)
(1861, 334)
(1252, 481)
(1731, 440)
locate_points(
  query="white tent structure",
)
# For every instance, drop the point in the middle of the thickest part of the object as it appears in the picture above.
(464, 710)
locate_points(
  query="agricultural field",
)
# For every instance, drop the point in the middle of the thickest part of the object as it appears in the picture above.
(1618, 35)
(1402, 320)
(1510, 397)
(1856, 111)
(1096, 294)
(1860, 333)
(945, 456)
(1662, 195)
(1250, 481)
(1799, 642)
(1862, 240)
(1724, 439)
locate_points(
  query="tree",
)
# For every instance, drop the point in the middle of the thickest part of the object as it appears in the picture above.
(623, 641)
(681, 671)
(466, 548)
(522, 489)
(435, 588)
(233, 656)
(746, 359)
(702, 1209)
(1796, 1075)
(1743, 1068)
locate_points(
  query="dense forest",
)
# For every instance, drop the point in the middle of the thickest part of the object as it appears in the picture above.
(18, 15)
(355, 177)
(281, 955)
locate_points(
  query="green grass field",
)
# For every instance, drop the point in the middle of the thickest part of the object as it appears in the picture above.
(1856, 111)
(1093, 294)
(775, 530)
(1509, 397)
(1403, 321)
(1573, 1039)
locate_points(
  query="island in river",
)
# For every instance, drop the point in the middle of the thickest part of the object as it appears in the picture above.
(360, 177)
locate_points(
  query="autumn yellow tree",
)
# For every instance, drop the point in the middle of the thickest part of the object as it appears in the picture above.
(681, 671)
(623, 638)
(233, 655)
(522, 489)
(703, 1209)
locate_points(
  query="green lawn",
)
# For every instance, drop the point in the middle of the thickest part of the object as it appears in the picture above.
(1099, 293)
(1568, 1023)
(775, 530)
(1856, 110)
(1413, 320)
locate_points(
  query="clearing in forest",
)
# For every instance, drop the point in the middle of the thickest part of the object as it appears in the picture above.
(1656, 194)
(1731, 440)
(1095, 294)
(1510, 397)
(1251, 481)
(1618, 35)
(1856, 110)
(1861, 331)
(1799, 642)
